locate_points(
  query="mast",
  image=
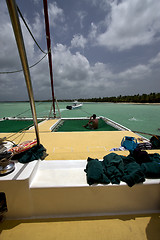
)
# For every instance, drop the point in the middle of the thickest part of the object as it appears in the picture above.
(49, 51)
(12, 8)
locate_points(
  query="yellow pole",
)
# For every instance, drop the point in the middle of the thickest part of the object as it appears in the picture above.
(12, 8)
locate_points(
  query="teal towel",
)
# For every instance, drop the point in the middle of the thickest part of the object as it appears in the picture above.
(95, 172)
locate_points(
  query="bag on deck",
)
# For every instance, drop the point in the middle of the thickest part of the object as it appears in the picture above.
(129, 143)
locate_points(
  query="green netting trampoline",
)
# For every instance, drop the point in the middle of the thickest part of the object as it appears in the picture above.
(15, 125)
(76, 125)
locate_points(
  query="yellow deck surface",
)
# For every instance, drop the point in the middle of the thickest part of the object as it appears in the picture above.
(80, 145)
(73, 145)
(140, 227)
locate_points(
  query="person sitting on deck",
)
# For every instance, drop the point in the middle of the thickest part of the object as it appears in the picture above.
(93, 122)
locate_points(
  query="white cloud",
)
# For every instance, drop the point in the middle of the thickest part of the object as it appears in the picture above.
(37, 26)
(9, 58)
(69, 67)
(13, 85)
(103, 4)
(132, 23)
(74, 75)
(78, 41)
(36, 1)
(155, 61)
(55, 14)
(73, 72)
(138, 72)
(93, 33)
(82, 15)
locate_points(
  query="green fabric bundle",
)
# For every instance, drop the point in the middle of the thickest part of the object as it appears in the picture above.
(155, 141)
(114, 167)
(133, 173)
(34, 153)
(152, 169)
(95, 172)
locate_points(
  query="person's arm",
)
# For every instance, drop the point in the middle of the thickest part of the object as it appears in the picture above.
(90, 120)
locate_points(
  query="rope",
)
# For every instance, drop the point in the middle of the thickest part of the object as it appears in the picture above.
(21, 131)
(22, 69)
(147, 134)
(30, 30)
(27, 110)
(16, 71)
(86, 112)
(21, 137)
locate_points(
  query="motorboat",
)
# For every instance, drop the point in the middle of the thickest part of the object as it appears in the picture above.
(75, 105)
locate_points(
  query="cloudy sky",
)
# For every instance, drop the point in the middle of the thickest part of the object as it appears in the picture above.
(100, 48)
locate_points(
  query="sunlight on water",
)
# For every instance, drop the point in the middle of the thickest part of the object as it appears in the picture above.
(134, 119)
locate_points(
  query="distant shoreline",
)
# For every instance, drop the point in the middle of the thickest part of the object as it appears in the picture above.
(140, 103)
(152, 98)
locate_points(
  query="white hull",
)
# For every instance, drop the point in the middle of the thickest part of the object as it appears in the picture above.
(74, 106)
(59, 189)
(77, 106)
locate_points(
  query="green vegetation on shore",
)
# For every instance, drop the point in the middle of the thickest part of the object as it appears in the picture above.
(144, 98)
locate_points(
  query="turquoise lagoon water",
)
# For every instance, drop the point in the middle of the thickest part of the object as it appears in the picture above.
(137, 117)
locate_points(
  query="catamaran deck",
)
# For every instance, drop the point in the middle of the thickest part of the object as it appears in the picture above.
(74, 145)
(130, 227)
(57, 187)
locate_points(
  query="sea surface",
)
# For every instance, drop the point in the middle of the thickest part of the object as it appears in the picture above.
(137, 117)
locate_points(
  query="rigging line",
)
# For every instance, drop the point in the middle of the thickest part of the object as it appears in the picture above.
(86, 112)
(21, 131)
(155, 135)
(8, 72)
(27, 110)
(21, 135)
(7, 138)
(29, 30)
(29, 67)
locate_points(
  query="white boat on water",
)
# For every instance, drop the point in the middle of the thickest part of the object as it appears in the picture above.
(75, 105)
